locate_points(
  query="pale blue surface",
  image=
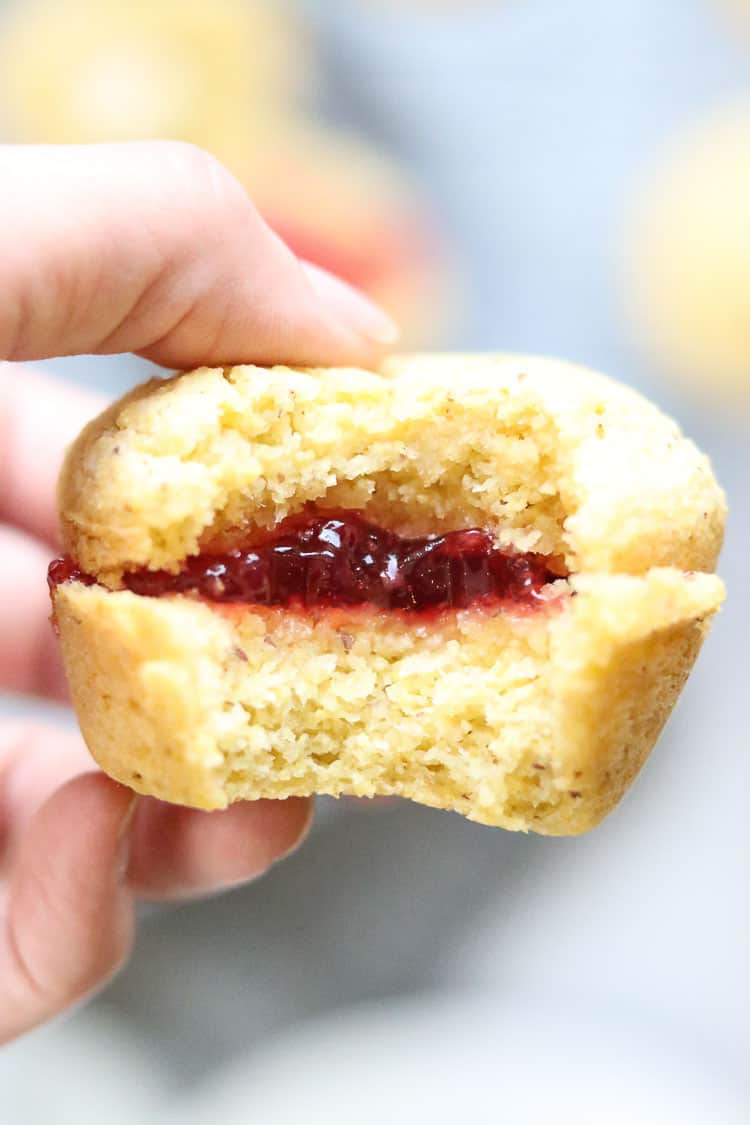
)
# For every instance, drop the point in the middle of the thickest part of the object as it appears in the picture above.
(530, 122)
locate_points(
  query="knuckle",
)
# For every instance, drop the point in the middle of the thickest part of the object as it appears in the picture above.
(203, 172)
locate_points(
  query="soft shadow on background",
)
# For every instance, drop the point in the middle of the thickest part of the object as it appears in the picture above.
(503, 176)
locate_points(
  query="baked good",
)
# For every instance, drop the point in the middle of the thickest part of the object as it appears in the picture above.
(518, 673)
(687, 253)
(86, 73)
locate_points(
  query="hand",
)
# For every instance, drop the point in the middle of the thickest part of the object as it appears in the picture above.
(155, 249)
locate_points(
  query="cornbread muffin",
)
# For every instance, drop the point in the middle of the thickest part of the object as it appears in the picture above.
(530, 705)
(687, 253)
(85, 73)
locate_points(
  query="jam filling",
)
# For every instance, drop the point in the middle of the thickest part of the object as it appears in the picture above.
(340, 559)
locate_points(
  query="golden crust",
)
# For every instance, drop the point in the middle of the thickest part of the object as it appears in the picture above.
(530, 721)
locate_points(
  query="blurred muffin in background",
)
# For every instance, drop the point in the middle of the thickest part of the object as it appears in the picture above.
(343, 205)
(77, 71)
(688, 259)
(232, 76)
(740, 10)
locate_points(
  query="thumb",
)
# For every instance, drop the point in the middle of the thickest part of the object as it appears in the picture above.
(68, 918)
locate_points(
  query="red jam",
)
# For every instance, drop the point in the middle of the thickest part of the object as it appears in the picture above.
(340, 559)
(65, 570)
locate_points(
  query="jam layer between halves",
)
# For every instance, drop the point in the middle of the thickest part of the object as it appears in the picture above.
(320, 559)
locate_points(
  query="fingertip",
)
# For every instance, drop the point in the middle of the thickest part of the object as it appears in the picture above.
(354, 311)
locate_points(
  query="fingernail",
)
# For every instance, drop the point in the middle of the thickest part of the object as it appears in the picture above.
(351, 308)
(125, 839)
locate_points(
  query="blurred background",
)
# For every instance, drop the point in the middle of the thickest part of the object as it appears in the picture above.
(555, 176)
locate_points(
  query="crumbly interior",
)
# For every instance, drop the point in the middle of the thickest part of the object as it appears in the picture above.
(526, 720)
(540, 453)
(522, 719)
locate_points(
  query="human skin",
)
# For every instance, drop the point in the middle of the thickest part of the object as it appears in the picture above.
(150, 248)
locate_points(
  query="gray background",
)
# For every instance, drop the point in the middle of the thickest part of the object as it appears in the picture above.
(624, 954)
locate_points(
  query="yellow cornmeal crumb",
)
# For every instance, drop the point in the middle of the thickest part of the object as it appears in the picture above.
(513, 445)
(528, 721)
(535, 720)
